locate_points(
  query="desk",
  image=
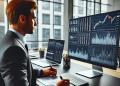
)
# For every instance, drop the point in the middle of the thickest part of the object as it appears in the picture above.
(105, 80)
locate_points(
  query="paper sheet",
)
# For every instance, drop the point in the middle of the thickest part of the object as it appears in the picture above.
(48, 81)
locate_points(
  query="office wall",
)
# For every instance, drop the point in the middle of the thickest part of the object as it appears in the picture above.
(115, 5)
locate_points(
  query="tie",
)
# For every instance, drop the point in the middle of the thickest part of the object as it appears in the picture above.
(26, 47)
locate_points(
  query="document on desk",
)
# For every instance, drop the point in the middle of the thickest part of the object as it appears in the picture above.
(48, 81)
(40, 63)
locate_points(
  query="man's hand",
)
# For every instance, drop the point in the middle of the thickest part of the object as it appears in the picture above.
(63, 82)
(49, 72)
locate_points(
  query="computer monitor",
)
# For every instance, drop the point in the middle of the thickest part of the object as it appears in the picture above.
(95, 39)
(55, 50)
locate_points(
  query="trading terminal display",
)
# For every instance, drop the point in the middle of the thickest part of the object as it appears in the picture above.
(95, 39)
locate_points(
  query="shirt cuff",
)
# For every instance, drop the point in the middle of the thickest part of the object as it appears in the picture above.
(40, 73)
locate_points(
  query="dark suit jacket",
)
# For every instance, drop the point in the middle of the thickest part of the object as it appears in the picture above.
(15, 65)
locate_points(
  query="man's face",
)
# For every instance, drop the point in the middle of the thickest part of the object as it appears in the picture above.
(30, 22)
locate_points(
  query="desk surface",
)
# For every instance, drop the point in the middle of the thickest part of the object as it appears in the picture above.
(105, 80)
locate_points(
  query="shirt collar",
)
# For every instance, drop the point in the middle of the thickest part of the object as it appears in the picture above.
(18, 34)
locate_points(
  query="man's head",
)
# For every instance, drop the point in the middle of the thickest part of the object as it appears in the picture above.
(21, 14)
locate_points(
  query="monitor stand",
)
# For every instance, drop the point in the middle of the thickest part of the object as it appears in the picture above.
(94, 72)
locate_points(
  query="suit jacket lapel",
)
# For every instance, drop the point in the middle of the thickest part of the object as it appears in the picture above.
(21, 44)
(29, 62)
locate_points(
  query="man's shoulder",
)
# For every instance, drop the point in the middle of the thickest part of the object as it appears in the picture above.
(9, 38)
(9, 41)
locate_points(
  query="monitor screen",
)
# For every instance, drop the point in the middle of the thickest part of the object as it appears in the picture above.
(95, 39)
(55, 50)
(50, 49)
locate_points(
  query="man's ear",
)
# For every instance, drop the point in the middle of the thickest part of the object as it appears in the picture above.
(22, 19)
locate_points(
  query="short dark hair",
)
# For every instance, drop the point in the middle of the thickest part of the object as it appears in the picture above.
(17, 7)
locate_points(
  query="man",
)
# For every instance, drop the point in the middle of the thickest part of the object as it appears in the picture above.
(15, 65)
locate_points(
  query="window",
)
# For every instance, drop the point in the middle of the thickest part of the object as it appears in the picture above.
(79, 8)
(90, 0)
(46, 19)
(49, 15)
(97, 0)
(57, 1)
(104, 8)
(2, 31)
(49, 20)
(44, 44)
(46, 34)
(106, 5)
(45, 5)
(97, 6)
(2, 19)
(90, 7)
(57, 7)
(32, 39)
(57, 34)
(57, 20)
(2, 11)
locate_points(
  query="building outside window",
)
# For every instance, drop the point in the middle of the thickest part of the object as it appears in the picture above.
(49, 16)
(96, 0)
(49, 20)
(46, 19)
(57, 7)
(2, 31)
(97, 6)
(79, 8)
(57, 34)
(57, 20)
(32, 39)
(90, 7)
(45, 5)
(3, 24)
(57, 1)
(106, 5)
(46, 34)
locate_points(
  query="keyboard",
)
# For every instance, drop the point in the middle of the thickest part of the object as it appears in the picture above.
(43, 63)
(74, 81)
